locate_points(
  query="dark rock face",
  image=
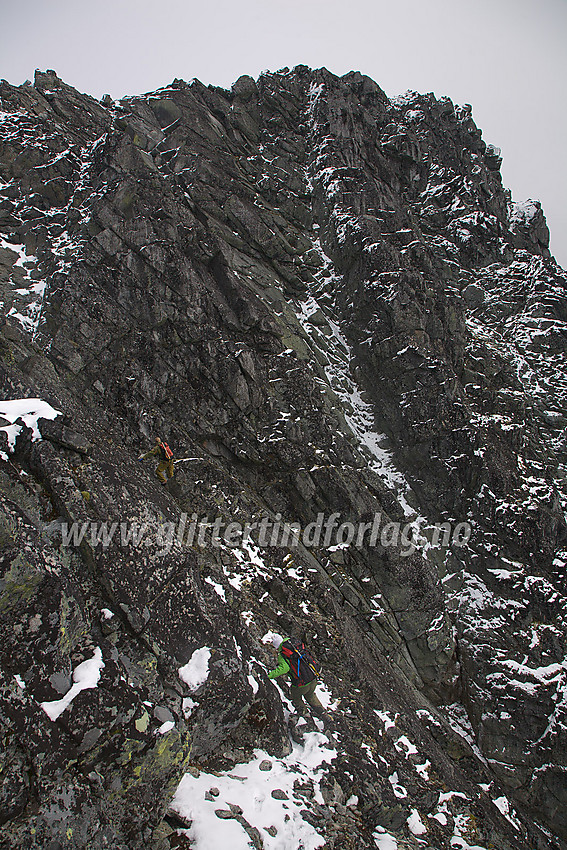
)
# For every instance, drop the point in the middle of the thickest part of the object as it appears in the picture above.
(326, 303)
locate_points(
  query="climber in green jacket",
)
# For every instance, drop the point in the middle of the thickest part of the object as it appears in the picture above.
(293, 658)
(161, 450)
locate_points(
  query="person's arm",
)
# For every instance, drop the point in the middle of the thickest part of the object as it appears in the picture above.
(151, 453)
(280, 670)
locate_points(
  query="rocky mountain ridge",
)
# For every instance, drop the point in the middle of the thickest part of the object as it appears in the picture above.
(328, 304)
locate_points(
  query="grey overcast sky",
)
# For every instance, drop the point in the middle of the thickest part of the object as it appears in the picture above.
(507, 58)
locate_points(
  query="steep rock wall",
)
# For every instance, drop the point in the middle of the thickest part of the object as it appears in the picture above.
(328, 302)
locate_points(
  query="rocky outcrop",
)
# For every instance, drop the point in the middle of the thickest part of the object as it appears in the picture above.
(328, 305)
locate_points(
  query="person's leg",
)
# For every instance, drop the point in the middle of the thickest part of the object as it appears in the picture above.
(160, 471)
(312, 698)
(170, 468)
(297, 698)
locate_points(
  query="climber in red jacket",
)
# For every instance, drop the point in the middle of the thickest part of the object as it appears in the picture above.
(161, 450)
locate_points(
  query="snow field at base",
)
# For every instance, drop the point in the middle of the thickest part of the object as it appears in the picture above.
(252, 790)
(27, 409)
(250, 787)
